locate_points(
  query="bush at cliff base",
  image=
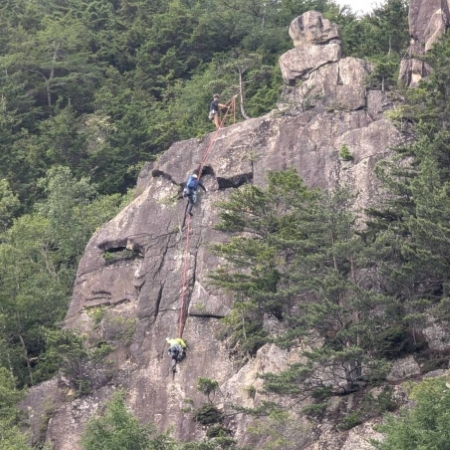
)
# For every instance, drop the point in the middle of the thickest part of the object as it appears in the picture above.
(426, 425)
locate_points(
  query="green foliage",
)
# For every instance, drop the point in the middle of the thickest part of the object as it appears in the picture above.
(39, 254)
(105, 86)
(9, 205)
(9, 396)
(119, 329)
(300, 254)
(425, 425)
(345, 154)
(97, 314)
(373, 404)
(207, 387)
(280, 429)
(217, 431)
(251, 391)
(350, 420)
(11, 437)
(315, 410)
(382, 32)
(66, 353)
(122, 255)
(395, 342)
(207, 414)
(410, 230)
(380, 404)
(118, 429)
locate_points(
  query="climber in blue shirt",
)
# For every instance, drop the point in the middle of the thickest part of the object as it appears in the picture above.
(190, 191)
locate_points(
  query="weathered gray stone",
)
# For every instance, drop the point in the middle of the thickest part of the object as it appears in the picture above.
(436, 373)
(358, 437)
(68, 421)
(413, 70)
(315, 71)
(40, 405)
(403, 368)
(312, 28)
(299, 61)
(144, 176)
(399, 394)
(428, 20)
(377, 104)
(437, 334)
(339, 86)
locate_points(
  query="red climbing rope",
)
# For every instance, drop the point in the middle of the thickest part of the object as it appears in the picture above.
(232, 102)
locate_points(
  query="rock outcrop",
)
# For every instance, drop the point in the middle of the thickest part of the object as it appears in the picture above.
(428, 20)
(315, 72)
(131, 270)
(317, 42)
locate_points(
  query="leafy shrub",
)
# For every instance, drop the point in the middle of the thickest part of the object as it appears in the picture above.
(251, 391)
(101, 351)
(207, 387)
(425, 426)
(217, 431)
(345, 154)
(394, 342)
(97, 314)
(119, 329)
(383, 403)
(112, 256)
(350, 420)
(316, 410)
(117, 428)
(208, 414)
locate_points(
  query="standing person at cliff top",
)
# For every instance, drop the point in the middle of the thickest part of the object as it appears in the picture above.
(190, 191)
(214, 109)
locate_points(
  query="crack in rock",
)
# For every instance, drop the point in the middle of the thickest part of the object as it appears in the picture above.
(235, 182)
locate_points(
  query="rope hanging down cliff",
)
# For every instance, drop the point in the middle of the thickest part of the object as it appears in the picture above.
(231, 106)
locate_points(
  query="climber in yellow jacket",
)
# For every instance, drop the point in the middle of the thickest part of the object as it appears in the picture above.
(177, 349)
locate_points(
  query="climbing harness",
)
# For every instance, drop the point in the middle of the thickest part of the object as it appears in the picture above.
(232, 105)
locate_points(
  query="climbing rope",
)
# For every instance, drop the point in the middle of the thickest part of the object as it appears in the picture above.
(230, 105)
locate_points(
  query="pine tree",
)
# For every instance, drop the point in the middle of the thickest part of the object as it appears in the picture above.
(301, 261)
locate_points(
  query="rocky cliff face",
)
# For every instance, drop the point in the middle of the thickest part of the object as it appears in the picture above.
(428, 20)
(130, 274)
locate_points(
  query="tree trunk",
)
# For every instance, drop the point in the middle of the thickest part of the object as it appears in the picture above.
(241, 92)
(52, 74)
(30, 373)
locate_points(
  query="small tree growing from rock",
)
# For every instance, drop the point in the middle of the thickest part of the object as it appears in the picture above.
(208, 387)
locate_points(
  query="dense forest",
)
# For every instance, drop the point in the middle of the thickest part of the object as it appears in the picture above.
(91, 90)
